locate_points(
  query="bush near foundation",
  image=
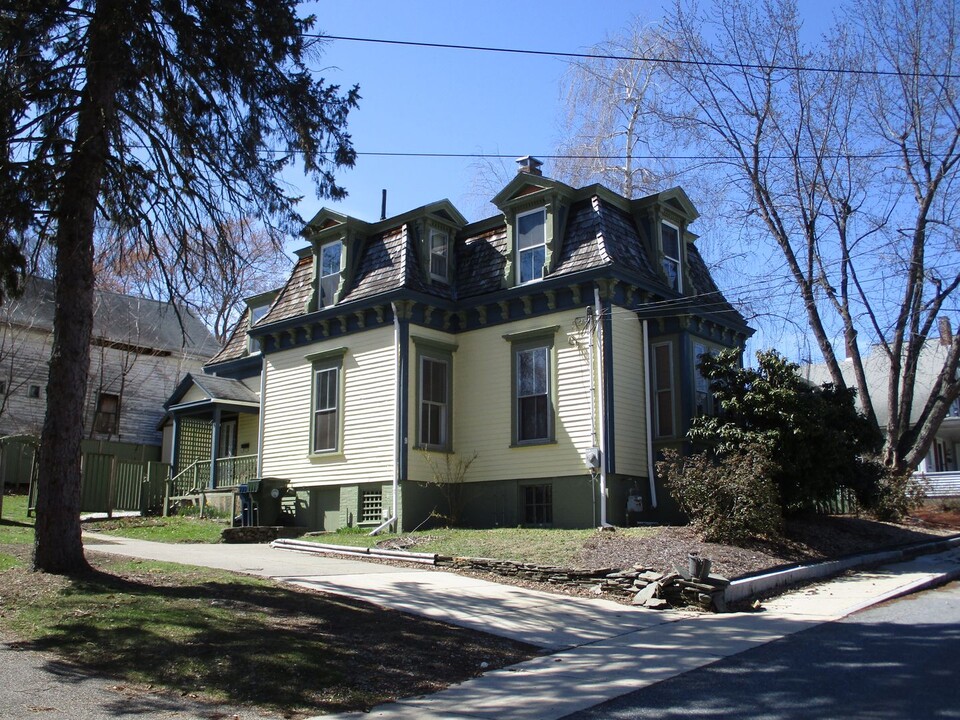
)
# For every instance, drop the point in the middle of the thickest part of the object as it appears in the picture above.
(728, 499)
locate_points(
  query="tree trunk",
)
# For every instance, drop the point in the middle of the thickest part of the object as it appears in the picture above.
(58, 547)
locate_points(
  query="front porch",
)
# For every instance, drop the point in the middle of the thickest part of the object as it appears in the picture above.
(214, 439)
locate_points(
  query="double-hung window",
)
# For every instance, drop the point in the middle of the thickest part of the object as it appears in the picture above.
(531, 245)
(434, 402)
(327, 401)
(663, 390)
(670, 245)
(107, 418)
(331, 257)
(439, 252)
(702, 385)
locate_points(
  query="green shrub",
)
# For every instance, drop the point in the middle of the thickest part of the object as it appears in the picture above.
(728, 499)
(896, 496)
(815, 435)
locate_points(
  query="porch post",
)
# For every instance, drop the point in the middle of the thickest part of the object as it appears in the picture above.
(214, 447)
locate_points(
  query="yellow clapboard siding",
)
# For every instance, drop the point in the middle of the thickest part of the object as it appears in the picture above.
(368, 406)
(482, 404)
(629, 408)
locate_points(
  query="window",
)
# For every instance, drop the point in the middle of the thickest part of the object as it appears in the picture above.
(330, 264)
(538, 505)
(326, 407)
(371, 506)
(107, 417)
(702, 386)
(434, 402)
(531, 244)
(663, 382)
(33, 391)
(256, 313)
(3, 387)
(533, 394)
(670, 244)
(439, 250)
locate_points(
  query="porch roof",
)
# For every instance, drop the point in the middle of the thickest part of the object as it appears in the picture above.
(213, 391)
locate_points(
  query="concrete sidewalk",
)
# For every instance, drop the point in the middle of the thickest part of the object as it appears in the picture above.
(598, 649)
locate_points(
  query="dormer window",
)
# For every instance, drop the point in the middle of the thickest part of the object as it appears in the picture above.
(331, 256)
(256, 312)
(670, 246)
(439, 251)
(531, 245)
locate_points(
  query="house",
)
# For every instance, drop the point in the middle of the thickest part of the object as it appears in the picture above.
(140, 348)
(941, 467)
(557, 341)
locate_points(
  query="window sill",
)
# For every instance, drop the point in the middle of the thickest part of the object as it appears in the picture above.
(534, 443)
(329, 455)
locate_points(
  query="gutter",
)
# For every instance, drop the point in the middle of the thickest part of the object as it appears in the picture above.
(598, 314)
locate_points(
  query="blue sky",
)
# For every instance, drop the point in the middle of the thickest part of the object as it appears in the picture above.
(450, 101)
(454, 101)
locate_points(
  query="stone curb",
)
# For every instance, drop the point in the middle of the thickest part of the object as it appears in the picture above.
(751, 587)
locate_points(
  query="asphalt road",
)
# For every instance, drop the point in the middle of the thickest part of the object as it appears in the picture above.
(897, 660)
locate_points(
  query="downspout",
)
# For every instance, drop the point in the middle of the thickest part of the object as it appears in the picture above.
(646, 385)
(594, 420)
(263, 404)
(399, 408)
(601, 409)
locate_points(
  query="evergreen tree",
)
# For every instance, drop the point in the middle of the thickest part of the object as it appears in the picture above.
(161, 118)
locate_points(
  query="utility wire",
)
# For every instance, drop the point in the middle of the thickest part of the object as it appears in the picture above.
(634, 58)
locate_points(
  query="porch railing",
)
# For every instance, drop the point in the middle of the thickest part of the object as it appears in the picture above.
(231, 472)
(941, 484)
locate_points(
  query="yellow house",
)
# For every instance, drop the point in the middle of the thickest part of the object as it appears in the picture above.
(520, 370)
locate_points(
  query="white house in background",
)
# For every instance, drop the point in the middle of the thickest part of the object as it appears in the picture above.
(941, 467)
(140, 350)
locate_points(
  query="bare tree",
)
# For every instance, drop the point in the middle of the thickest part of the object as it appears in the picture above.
(611, 131)
(250, 262)
(851, 175)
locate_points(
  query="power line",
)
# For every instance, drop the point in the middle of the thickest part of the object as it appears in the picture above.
(634, 58)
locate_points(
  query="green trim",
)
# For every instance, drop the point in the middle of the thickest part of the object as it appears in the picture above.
(521, 342)
(327, 361)
(431, 344)
(533, 335)
(337, 352)
(436, 353)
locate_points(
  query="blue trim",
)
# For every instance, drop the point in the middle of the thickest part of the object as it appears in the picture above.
(606, 357)
(403, 395)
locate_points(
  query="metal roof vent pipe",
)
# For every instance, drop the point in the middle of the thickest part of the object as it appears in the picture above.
(529, 164)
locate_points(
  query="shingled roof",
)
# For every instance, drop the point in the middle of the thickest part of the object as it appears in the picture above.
(601, 230)
(135, 322)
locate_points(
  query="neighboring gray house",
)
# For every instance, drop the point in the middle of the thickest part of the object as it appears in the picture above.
(941, 467)
(140, 349)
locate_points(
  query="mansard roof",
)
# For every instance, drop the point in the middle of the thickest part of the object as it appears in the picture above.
(601, 234)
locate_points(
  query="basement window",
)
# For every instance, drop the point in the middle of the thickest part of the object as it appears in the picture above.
(371, 506)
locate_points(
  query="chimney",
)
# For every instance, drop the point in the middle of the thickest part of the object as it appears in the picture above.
(383, 205)
(529, 164)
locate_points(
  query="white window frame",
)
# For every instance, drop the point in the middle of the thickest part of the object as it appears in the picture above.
(439, 252)
(521, 252)
(519, 396)
(324, 276)
(335, 408)
(444, 407)
(675, 262)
